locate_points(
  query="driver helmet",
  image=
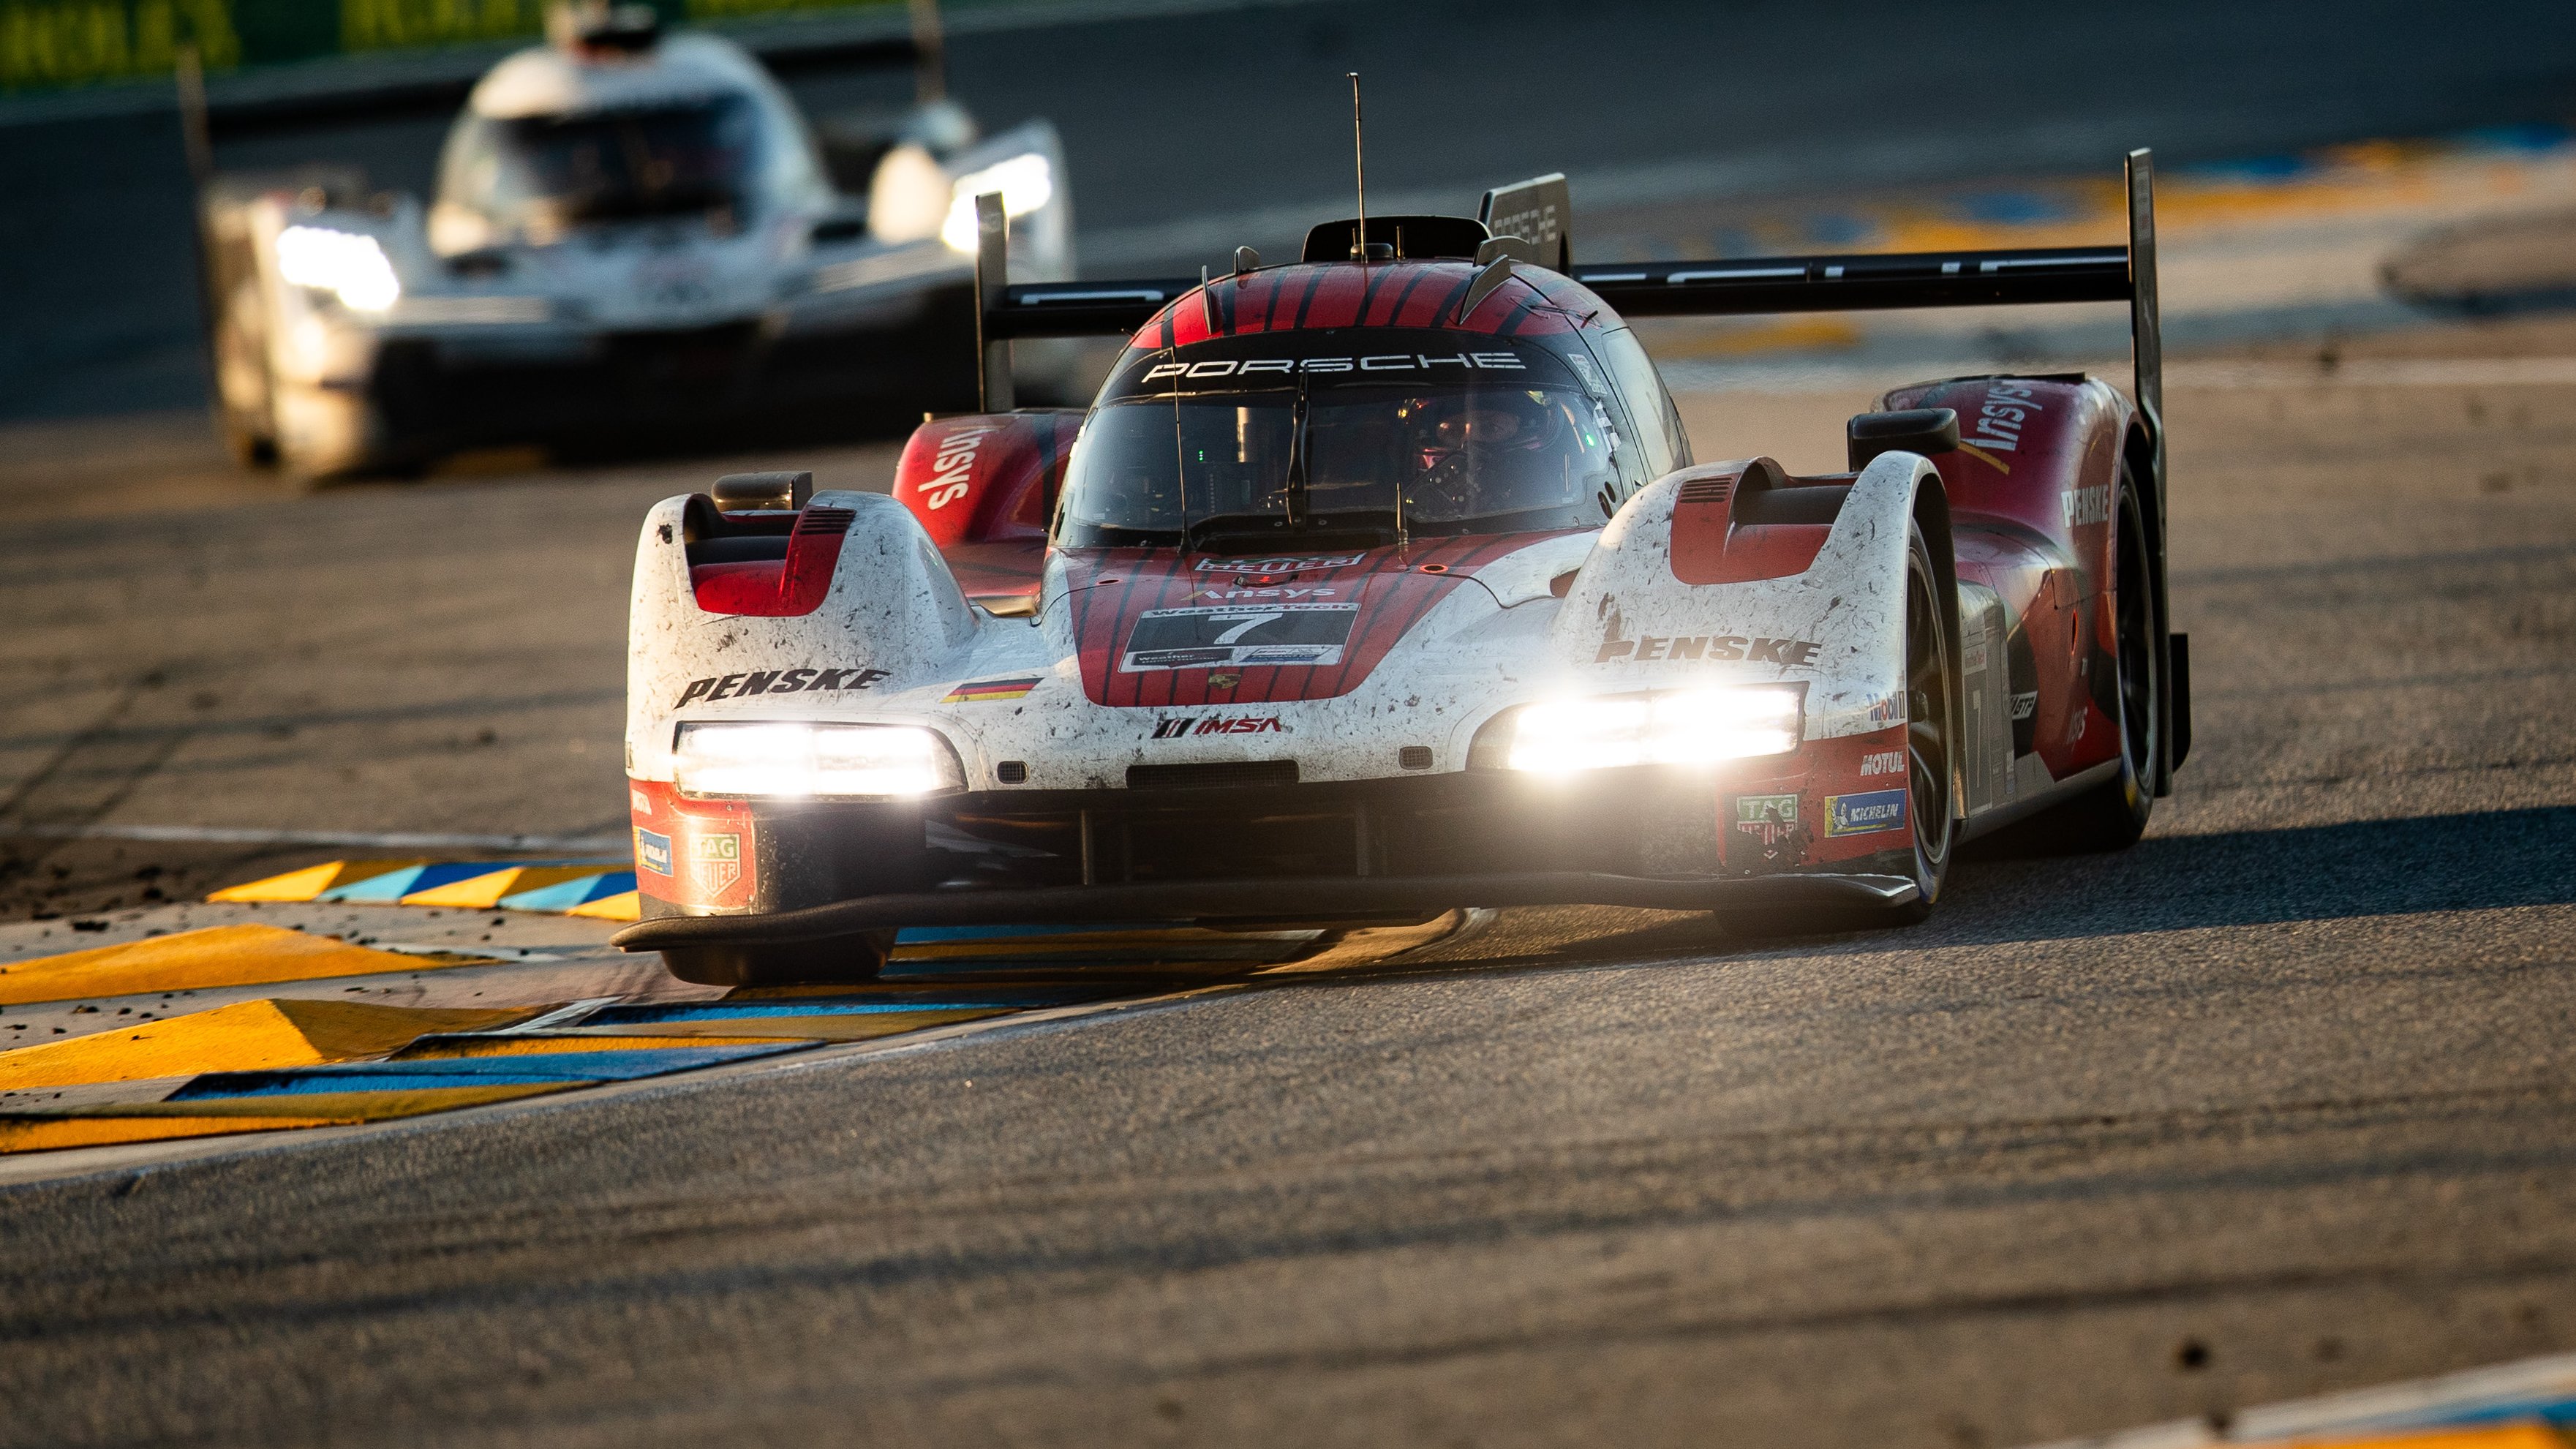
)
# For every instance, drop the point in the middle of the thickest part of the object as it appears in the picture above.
(1481, 452)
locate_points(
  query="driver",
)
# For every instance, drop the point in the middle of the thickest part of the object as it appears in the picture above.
(1485, 452)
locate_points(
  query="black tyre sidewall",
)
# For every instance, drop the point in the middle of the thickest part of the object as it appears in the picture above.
(1931, 873)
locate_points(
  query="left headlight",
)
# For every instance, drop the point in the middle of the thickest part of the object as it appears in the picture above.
(1675, 727)
(1026, 182)
(351, 266)
(787, 760)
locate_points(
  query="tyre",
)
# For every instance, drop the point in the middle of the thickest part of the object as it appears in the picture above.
(839, 960)
(2113, 814)
(1932, 726)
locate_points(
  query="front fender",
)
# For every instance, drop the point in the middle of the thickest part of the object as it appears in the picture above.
(891, 614)
(1633, 620)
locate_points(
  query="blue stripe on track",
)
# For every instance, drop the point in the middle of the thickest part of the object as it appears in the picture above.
(738, 1010)
(613, 1066)
(579, 891)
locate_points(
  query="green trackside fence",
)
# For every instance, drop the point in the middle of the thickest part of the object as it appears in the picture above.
(51, 45)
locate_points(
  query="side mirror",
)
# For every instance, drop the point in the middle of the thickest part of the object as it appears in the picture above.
(762, 492)
(1917, 430)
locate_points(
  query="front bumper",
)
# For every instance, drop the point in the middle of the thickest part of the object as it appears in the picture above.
(746, 873)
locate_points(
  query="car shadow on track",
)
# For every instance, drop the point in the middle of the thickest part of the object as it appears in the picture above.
(2473, 861)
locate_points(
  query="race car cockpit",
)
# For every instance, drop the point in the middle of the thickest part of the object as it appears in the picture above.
(534, 177)
(1291, 435)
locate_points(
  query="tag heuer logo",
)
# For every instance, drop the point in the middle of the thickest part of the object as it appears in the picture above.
(1766, 817)
(715, 862)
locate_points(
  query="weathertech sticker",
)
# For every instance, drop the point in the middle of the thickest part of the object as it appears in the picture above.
(1766, 817)
(1266, 634)
(1277, 565)
(991, 689)
(1865, 814)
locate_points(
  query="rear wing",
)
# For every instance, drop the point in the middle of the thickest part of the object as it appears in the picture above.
(1735, 287)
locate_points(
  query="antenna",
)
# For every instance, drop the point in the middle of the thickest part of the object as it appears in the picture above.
(1359, 168)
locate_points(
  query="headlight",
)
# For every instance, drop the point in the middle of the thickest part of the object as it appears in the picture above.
(353, 267)
(1680, 727)
(784, 760)
(1026, 183)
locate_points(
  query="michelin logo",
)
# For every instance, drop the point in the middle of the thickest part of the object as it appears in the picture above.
(1865, 814)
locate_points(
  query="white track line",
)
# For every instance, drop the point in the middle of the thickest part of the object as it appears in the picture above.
(365, 840)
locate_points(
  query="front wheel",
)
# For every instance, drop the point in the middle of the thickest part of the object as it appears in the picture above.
(1932, 727)
(1932, 730)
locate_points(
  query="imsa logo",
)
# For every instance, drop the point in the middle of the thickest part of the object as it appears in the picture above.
(1190, 725)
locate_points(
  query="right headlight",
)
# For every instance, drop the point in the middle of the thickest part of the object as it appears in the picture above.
(1667, 727)
(793, 760)
(347, 264)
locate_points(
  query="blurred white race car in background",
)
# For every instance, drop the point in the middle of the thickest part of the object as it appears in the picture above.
(633, 233)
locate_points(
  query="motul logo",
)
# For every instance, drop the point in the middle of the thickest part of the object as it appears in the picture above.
(1218, 724)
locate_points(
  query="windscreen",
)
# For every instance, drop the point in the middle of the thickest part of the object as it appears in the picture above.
(538, 174)
(1189, 449)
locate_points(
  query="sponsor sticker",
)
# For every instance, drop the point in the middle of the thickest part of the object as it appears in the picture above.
(1417, 362)
(983, 689)
(1865, 814)
(652, 852)
(1249, 634)
(1766, 817)
(2085, 506)
(1885, 762)
(1177, 727)
(1997, 427)
(1276, 565)
(953, 470)
(776, 681)
(715, 862)
(1721, 648)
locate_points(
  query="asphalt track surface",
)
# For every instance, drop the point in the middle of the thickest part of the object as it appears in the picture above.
(2274, 1103)
(1188, 137)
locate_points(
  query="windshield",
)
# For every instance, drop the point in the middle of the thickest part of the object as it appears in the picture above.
(539, 174)
(1313, 456)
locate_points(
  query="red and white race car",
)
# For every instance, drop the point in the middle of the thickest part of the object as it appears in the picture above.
(1386, 582)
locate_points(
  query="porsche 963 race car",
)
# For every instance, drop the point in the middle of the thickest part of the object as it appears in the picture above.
(1387, 582)
(631, 230)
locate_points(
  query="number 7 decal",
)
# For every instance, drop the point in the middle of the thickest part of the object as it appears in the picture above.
(1250, 623)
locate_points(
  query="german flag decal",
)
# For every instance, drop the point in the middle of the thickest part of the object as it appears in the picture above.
(983, 689)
